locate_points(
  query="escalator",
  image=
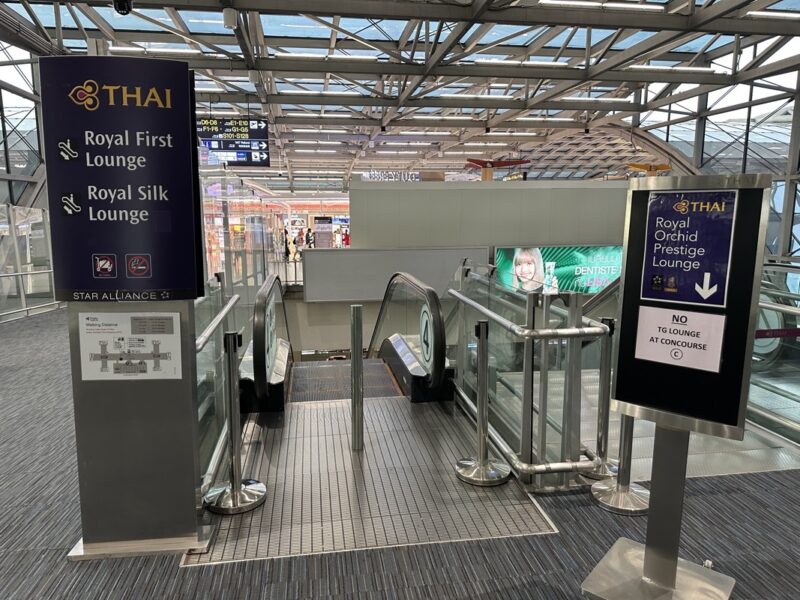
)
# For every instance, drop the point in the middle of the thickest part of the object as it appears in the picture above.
(405, 356)
(774, 399)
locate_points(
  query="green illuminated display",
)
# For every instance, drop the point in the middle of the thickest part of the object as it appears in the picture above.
(584, 269)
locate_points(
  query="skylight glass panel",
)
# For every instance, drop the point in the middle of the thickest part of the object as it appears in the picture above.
(579, 39)
(632, 40)
(699, 43)
(203, 22)
(132, 22)
(293, 26)
(376, 30)
(18, 8)
(789, 5)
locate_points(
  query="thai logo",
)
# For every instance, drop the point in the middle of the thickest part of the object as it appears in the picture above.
(85, 95)
(682, 206)
(90, 94)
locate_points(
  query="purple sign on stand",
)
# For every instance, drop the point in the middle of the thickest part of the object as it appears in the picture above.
(119, 144)
(688, 246)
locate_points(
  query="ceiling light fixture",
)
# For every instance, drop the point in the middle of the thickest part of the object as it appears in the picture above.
(774, 14)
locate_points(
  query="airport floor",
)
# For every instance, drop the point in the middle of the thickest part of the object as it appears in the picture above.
(746, 524)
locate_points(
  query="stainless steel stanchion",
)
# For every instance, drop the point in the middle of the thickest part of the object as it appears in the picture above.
(482, 471)
(356, 379)
(239, 495)
(621, 496)
(605, 469)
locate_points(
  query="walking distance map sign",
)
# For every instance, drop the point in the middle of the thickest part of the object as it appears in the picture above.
(690, 287)
(688, 246)
(118, 142)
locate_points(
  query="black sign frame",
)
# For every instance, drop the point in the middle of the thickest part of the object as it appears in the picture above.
(676, 396)
(145, 241)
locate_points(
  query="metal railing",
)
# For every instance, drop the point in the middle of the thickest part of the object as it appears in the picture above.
(217, 323)
(579, 328)
(203, 339)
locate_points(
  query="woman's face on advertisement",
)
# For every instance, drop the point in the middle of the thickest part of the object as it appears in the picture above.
(525, 270)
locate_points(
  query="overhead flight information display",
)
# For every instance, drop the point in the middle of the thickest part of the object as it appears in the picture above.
(242, 142)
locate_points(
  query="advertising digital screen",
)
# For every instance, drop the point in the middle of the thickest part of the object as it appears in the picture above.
(553, 269)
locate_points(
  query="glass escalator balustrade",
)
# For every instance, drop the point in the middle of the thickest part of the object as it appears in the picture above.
(410, 329)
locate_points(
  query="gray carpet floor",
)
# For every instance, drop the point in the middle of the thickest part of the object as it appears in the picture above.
(746, 524)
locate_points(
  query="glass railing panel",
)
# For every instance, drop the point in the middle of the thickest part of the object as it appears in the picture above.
(211, 396)
(10, 296)
(211, 384)
(774, 399)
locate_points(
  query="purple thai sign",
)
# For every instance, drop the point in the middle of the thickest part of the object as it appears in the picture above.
(688, 246)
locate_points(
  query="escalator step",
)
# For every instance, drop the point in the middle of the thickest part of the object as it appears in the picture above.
(327, 380)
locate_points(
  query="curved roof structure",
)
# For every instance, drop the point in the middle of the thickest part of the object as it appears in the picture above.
(581, 88)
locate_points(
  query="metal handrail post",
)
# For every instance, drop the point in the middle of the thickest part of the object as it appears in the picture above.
(604, 468)
(544, 380)
(238, 495)
(571, 414)
(356, 379)
(620, 495)
(481, 471)
(526, 435)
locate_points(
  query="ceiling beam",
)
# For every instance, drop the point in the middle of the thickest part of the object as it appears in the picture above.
(289, 66)
(520, 15)
(159, 37)
(421, 102)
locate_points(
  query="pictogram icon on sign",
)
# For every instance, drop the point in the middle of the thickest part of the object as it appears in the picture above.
(70, 204)
(104, 266)
(66, 149)
(138, 266)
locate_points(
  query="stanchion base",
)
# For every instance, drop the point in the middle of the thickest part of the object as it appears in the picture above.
(471, 471)
(220, 500)
(606, 470)
(633, 501)
(618, 576)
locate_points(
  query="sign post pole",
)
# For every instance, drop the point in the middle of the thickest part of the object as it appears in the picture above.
(683, 357)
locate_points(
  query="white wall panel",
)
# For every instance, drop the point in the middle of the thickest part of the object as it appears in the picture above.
(433, 214)
(332, 275)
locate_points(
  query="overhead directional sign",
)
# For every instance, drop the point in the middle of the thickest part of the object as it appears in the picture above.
(689, 297)
(243, 142)
(688, 246)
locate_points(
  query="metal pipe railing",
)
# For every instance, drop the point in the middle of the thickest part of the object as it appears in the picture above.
(596, 329)
(356, 379)
(480, 471)
(776, 421)
(781, 308)
(513, 460)
(570, 430)
(208, 332)
(238, 495)
(24, 273)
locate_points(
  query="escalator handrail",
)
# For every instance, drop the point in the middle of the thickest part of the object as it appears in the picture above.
(601, 296)
(430, 296)
(260, 333)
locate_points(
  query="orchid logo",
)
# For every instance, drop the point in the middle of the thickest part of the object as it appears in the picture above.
(86, 95)
(681, 207)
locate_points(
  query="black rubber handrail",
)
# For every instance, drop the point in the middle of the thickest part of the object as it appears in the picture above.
(429, 296)
(260, 334)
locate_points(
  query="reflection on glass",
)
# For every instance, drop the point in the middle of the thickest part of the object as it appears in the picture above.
(211, 388)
